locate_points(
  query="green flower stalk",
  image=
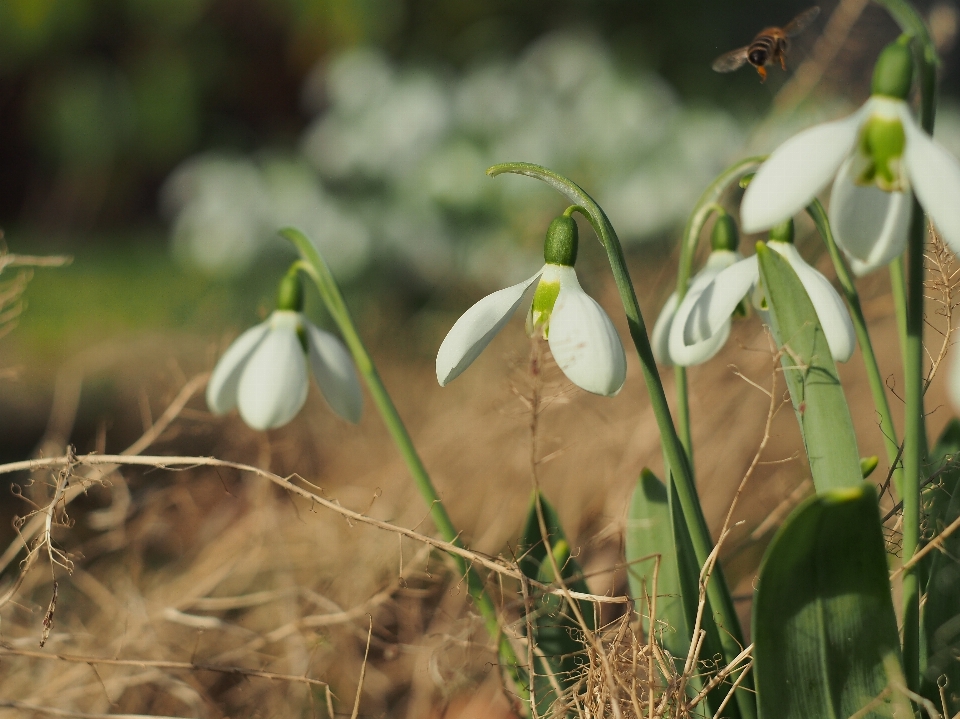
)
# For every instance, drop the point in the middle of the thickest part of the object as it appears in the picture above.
(718, 595)
(705, 207)
(314, 266)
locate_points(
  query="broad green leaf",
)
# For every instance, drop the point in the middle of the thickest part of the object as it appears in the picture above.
(811, 376)
(825, 633)
(941, 612)
(711, 651)
(649, 532)
(655, 526)
(557, 633)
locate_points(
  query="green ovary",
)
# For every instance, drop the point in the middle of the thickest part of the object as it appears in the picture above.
(881, 145)
(544, 298)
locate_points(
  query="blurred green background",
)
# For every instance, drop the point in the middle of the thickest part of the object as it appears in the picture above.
(162, 143)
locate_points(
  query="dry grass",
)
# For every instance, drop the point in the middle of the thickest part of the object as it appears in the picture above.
(210, 591)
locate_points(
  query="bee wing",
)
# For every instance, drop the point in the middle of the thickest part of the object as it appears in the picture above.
(730, 61)
(800, 22)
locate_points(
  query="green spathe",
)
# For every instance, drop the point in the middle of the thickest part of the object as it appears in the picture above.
(290, 292)
(893, 73)
(562, 241)
(782, 232)
(724, 235)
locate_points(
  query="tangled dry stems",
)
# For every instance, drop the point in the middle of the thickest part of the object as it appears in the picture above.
(215, 628)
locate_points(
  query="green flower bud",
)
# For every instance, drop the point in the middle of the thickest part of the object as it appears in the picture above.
(560, 246)
(893, 73)
(868, 464)
(782, 232)
(724, 235)
(290, 293)
(882, 141)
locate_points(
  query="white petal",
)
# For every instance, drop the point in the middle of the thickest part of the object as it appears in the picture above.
(661, 331)
(707, 313)
(935, 177)
(273, 386)
(870, 225)
(832, 313)
(333, 369)
(222, 387)
(681, 353)
(796, 171)
(583, 340)
(473, 331)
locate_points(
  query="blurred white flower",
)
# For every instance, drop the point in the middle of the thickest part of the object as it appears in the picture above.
(582, 338)
(381, 134)
(297, 199)
(388, 141)
(220, 208)
(264, 372)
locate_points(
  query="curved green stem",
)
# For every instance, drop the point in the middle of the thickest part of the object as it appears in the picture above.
(705, 207)
(915, 443)
(721, 603)
(315, 267)
(875, 379)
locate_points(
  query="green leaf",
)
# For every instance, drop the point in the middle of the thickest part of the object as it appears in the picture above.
(557, 632)
(655, 526)
(825, 633)
(811, 375)
(941, 612)
(649, 532)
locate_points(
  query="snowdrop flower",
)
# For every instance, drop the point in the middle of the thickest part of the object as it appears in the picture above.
(264, 372)
(711, 311)
(724, 240)
(880, 157)
(582, 338)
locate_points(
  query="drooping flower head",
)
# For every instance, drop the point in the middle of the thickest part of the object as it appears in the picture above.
(581, 336)
(724, 240)
(880, 158)
(264, 371)
(708, 315)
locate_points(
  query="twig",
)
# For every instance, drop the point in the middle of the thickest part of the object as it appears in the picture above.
(8, 259)
(36, 524)
(160, 664)
(171, 462)
(771, 413)
(363, 672)
(830, 42)
(933, 544)
(24, 706)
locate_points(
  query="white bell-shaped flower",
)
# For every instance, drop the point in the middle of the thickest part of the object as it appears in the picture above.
(581, 336)
(264, 372)
(879, 157)
(724, 240)
(709, 314)
(668, 350)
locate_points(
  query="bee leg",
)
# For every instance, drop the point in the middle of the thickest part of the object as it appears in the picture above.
(762, 72)
(783, 63)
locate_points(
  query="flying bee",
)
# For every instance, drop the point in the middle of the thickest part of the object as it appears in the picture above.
(767, 47)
